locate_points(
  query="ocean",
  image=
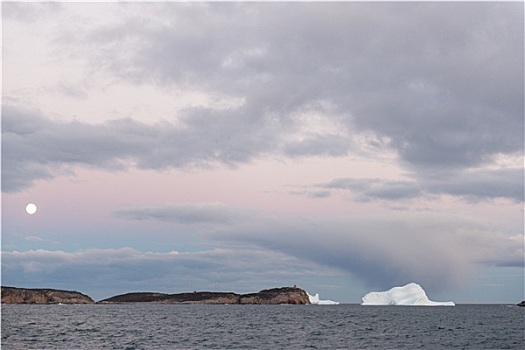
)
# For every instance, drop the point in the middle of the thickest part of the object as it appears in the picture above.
(149, 326)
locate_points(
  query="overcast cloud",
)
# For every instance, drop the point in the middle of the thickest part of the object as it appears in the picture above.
(445, 99)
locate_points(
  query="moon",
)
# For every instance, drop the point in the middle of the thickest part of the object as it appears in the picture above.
(31, 208)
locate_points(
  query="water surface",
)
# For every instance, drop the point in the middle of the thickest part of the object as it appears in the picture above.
(148, 326)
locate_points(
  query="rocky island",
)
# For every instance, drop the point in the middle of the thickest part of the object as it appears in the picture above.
(285, 295)
(12, 295)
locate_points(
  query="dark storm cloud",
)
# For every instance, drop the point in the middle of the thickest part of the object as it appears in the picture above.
(441, 83)
(438, 250)
(381, 250)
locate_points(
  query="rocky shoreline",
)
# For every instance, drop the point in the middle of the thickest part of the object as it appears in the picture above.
(12, 295)
(284, 295)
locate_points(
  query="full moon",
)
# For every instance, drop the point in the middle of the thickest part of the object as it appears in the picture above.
(31, 208)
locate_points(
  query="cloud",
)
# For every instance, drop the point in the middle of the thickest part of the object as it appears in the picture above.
(319, 194)
(29, 12)
(437, 87)
(440, 83)
(479, 184)
(444, 82)
(439, 251)
(184, 214)
(105, 272)
(369, 189)
(472, 185)
(329, 145)
(35, 147)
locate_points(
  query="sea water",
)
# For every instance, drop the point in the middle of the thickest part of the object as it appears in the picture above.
(149, 326)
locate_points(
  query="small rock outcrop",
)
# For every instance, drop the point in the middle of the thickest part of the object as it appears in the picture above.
(12, 295)
(285, 295)
(522, 303)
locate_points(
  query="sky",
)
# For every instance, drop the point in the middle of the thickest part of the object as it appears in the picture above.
(342, 147)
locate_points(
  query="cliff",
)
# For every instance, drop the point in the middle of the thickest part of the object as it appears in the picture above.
(11, 295)
(285, 295)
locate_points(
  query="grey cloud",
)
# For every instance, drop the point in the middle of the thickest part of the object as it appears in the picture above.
(312, 194)
(436, 250)
(442, 83)
(28, 12)
(184, 214)
(368, 189)
(481, 184)
(68, 89)
(330, 145)
(318, 194)
(105, 272)
(473, 185)
(34, 147)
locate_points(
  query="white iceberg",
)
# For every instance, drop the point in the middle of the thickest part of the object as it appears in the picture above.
(316, 301)
(411, 294)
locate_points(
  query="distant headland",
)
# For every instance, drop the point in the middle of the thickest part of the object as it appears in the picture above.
(12, 295)
(284, 295)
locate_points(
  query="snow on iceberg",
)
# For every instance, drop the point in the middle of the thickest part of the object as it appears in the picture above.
(316, 301)
(411, 294)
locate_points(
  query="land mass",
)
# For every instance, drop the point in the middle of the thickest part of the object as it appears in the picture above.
(12, 295)
(284, 295)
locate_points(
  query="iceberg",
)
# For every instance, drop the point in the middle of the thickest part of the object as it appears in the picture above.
(315, 300)
(410, 294)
